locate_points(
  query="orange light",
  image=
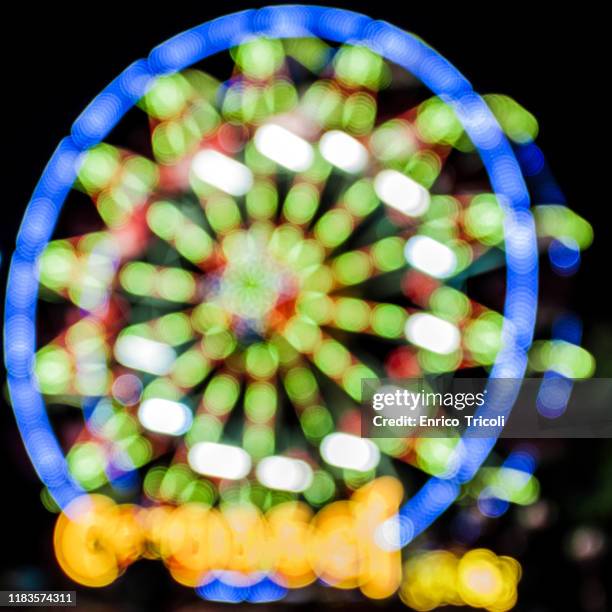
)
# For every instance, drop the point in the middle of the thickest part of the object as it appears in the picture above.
(81, 542)
(195, 539)
(291, 533)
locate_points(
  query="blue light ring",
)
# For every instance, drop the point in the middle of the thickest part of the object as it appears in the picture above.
(195, 44)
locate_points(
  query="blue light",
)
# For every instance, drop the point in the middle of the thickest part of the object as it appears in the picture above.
(58, 177)
(289, 22)
(134, 81)
(434, 497)
(569, 328)
(20, 354)
(37, 227)
(100, 117)
(556, 389)
(531, 158)
(493, 502)
(264, 590)
(215, 590)
(22, 286)
(124, 482)
(564, 256)
(491, 506)
(554, 394)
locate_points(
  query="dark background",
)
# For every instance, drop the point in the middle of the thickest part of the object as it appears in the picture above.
(56, 58)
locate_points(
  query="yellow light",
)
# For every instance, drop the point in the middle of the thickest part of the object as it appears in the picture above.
(251, 541)
(335, 546)
(291, 533)
(194, 539)
(381, 569)
(479, 579)
(81, 541)
(126, 536)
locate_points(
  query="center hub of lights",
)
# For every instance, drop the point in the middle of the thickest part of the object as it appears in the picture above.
(253, 287)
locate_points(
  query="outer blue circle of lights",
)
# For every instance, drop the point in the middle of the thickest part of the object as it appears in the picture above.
(187, 48)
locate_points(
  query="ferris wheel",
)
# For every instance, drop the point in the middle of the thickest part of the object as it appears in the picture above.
(239, 229)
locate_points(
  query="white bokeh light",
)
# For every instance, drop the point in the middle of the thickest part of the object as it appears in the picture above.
(165, 416)
(350, 452)
(401, 193)
(144, 354)
(284, 474)
(219, 460)
(430, 256)
(222, 172)
(432, 333)
(343, 151)
(284, 147)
